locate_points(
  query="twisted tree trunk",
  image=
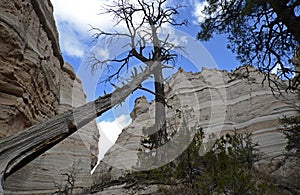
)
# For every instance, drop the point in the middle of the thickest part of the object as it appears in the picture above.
(19, 149)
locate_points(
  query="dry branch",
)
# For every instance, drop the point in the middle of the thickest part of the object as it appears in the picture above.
(19, 149)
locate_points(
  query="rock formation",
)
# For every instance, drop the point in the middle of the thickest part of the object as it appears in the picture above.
(140, 106)
(218, 101)
(36, 84)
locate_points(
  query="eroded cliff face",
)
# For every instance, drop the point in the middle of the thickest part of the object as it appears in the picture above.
(36, 84)
(30, 68)
(219, 102)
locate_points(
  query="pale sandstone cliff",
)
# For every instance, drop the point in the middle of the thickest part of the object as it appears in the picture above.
(219, 102)
(36, 84)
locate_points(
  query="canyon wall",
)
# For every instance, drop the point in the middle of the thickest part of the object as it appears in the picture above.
(219, 102)
(36, 84)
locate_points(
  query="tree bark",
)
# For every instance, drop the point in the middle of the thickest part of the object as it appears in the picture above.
(19, 149)
(160, 113)
(160, 103)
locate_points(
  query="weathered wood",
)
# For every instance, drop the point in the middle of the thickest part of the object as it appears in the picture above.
(19, 149)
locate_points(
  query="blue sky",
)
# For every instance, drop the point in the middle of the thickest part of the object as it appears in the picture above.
(73, 19)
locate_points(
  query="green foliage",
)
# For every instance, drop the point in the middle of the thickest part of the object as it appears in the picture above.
(255, 32)
(180, 139)
(225, 169)
(292, 133)
(228, 167)
(161, 175)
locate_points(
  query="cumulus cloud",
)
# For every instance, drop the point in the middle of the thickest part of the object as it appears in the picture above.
(71, 42)
(74, 20)
(199, 7)
(81, 13)
(109, 132)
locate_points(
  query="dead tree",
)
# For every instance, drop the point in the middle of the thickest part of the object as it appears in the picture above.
(21, 148)
(143, 21)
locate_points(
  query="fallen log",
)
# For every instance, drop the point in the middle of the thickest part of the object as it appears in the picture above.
(21, 148)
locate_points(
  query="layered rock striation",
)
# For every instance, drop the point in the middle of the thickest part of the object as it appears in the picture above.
(36, 84)
(218, 101)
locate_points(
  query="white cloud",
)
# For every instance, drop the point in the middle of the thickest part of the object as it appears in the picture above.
(199, 7)
(74, 20)
(71, 43)
(80, 13)
(76, 17)
(103, 53)
(109, 132)
(277, 69)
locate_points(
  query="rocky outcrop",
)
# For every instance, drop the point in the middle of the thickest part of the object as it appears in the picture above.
(140, 106)
(35, 84)
(219, 102)
(29, 69)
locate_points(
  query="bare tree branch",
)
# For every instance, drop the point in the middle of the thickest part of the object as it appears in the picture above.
(144, 21)
(140, 33)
